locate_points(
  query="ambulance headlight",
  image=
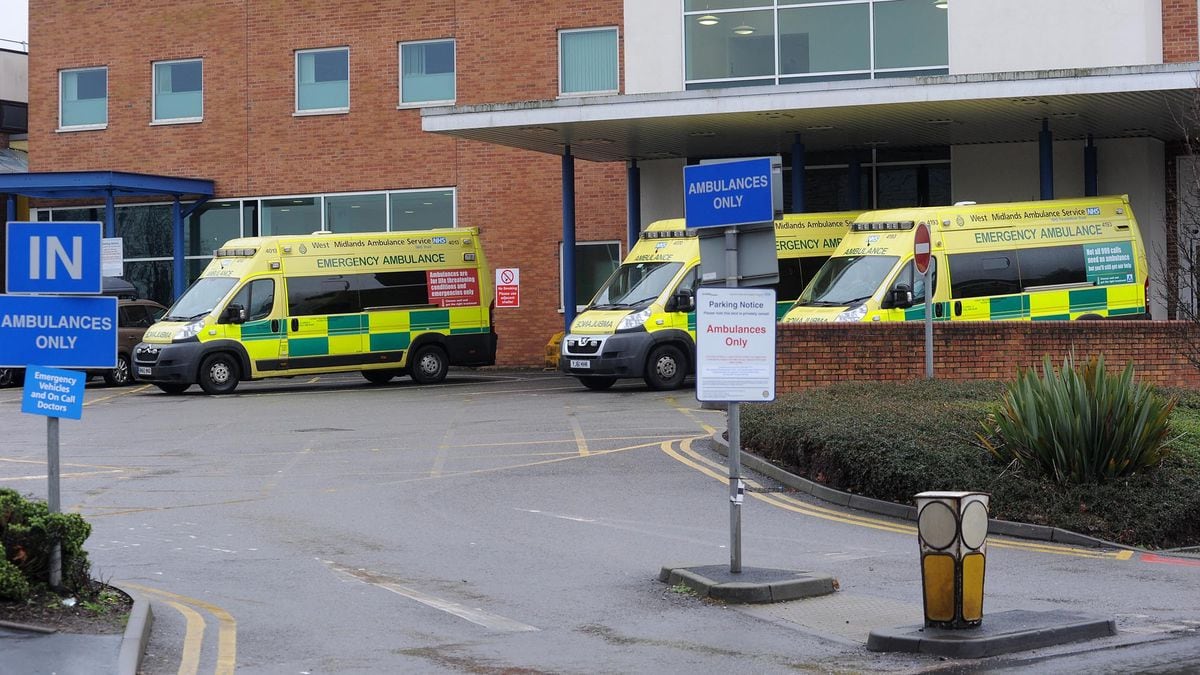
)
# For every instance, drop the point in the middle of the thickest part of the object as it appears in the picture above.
(189, 331)
(855, 314)
(635, 320)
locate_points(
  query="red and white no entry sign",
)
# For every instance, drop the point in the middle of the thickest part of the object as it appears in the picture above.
(921, 248)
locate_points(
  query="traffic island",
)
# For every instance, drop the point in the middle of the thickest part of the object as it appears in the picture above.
(751, 585)
(1001, 633)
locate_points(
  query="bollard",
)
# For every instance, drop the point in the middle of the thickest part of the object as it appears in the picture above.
(952, 533)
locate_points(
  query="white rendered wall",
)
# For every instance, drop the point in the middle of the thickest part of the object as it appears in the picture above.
(653, 46)
(662, 190)
(988, 36)
(1008, 172)
(14, 77)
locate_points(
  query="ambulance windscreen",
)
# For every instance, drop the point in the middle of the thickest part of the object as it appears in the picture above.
(635, 284)
(846, 280)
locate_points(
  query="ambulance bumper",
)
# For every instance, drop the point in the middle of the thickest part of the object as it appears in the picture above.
(620, 355)
(175, 362)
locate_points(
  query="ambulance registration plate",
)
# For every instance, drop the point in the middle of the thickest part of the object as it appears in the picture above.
(143, 370)
(581, 363)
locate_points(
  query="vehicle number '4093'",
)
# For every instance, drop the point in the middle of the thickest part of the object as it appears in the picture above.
(580, 363)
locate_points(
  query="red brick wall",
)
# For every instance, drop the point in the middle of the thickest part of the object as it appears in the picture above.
(811, 355)
(251, 145)
(1180, 40)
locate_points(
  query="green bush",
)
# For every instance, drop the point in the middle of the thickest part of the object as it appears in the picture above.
(13, 584)
(27, 530)
(1079, 425)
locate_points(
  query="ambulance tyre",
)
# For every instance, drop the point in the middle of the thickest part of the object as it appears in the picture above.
(378, 376)
(1089, 317)
(429, 365)
(666, 368)
(597, 383)
(219, 374)
(172, 387)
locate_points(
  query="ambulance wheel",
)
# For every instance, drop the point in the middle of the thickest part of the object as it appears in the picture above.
(1089, 317)
(598, 383)
(429, 365)
(119, 376)
(172, 388)
(378, 376)
(219, 374)
(666, 368)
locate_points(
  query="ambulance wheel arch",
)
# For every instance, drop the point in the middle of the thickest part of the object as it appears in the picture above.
(222, 366)
(428, 360)
(670, 359)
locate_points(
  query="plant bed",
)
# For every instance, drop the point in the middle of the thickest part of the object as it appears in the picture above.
(104, 611)
(892, 440)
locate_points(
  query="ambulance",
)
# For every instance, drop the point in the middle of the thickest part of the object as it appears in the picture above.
(386, 304)
(1053, 260)
(642, 321)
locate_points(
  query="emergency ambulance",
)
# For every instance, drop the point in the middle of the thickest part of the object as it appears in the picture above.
(386, 304)
(1051, 260)
(642, 321)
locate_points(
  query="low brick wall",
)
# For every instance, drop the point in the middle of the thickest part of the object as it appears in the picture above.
(812, 355)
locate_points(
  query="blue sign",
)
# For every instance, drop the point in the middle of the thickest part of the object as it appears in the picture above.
(54, 258)
(56, 331)
(53, 392)
(728, 193)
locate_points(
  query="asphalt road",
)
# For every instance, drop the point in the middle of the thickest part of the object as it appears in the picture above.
(513, 522)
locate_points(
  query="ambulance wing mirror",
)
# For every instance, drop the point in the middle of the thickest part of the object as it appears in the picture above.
(234, 313)
(684, 300)
(900, 296)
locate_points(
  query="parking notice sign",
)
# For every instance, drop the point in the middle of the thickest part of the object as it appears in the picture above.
(735, 344)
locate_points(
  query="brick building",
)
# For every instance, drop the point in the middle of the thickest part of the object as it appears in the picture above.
(359, 116)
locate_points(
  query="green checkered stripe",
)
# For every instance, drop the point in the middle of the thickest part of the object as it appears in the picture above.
(1084, 300)
(420, 321)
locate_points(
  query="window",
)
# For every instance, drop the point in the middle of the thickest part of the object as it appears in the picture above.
(794, 275)
(356, 213)
(257, 298)
(1052, 266)
(133, 316)
(323, 80)
(587, 61)
(83, 98)
(354, 293)
(594, 264)
(915, 281)
(977, 275)
(178, 91)
(392, 289)
(427, 72)
(421, 209)
(291, 215)
(755, 42)
(309, 296)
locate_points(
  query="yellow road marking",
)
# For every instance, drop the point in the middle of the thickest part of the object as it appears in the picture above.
(476, 472)
(79, 474)
(690, 414)
(226, 631)
(580, 440)
(711, 469)
(193, 638)
(126, 392)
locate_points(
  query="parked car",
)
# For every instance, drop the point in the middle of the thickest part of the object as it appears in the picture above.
(133, 318)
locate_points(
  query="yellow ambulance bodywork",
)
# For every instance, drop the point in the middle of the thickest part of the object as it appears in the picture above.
(382, 303)
(653, 335)
(1046, 260)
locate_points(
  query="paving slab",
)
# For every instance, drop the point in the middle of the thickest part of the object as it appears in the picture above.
(1000, 633)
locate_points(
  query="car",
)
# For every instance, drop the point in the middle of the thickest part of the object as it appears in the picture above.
(133, 318)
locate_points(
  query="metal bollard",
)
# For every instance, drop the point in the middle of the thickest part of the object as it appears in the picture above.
(952, 532)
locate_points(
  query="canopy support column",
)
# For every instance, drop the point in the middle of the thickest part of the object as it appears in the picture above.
(633, 205)
(1090, 169)
(568, 236)
(1046, 160)
(798, 168)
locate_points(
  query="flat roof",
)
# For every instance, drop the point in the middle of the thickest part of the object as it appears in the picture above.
(1126, 102)
(82, 184)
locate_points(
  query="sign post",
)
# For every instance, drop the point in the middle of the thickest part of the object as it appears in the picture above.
(728, 194)
(921, 249)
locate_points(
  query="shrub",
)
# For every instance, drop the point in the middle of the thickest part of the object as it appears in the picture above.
(1079, 425)
(13, 584)
(27, 531)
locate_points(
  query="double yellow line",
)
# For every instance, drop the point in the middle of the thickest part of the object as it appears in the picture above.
(193, 639)
(689, 457)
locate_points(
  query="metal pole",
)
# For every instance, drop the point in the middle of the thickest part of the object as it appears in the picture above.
(735, 426)
(53, 499)
(928, 324)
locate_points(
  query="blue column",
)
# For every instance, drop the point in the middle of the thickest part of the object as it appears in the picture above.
(855, 186)
(1046, 160)
(110, 215)
(12, 207)
(568, 236)
(798, 164)
(633, 204)
(1089, 169)
(180, 279)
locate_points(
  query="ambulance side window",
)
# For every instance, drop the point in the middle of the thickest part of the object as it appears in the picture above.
(915, 281)
(257, 298)
(978, 275)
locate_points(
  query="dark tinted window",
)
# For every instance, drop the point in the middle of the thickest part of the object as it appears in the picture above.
(321, 295)
(1054, 265)
(916, 281)
(132, 316)
(257, 298)
(794, 275)
(974, 275)
(392, 289)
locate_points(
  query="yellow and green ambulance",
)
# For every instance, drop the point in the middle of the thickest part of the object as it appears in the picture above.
(385, 304)
(1051, 260)
(642, 321)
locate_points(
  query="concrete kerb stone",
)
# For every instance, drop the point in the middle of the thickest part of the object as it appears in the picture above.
(137, 634)
(751, 585)
(1000, 633)
(903, 511)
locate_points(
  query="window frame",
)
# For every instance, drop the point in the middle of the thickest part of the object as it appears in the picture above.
(81, 127)
(297, 112)
(154, 120)
(616, 66)
(401, 103)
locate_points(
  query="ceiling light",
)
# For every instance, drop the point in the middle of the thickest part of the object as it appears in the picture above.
(744, 29)
(708, 20)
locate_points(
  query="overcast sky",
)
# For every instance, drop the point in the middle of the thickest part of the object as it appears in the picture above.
(14, 22)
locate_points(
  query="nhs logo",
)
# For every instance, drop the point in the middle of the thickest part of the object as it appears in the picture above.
(1093, 210)
(53, 258)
